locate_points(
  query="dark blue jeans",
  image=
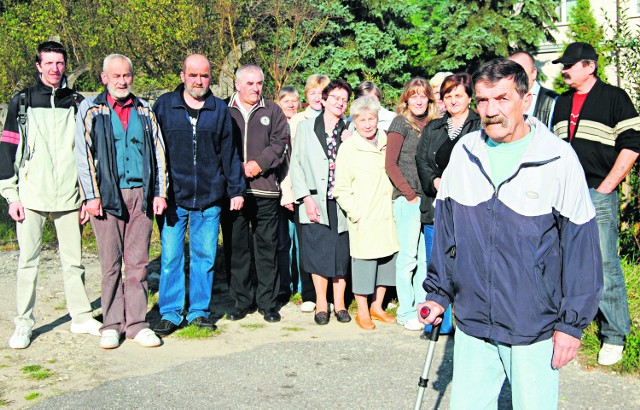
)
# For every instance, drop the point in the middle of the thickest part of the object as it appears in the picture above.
(203, 241)
(613, 303)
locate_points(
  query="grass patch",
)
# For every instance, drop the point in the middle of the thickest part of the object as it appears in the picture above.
(252, 326)
(296, 299)
(36, 372)
(195, 332)
(392, 308)
(293, 329)
(630, 363)
(32, 396)
(353, 308)
(62, 305)
(3, 366)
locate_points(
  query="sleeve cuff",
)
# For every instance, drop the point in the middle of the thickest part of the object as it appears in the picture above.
(568, 329)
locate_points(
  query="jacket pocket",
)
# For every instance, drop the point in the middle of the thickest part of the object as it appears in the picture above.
(542, 288)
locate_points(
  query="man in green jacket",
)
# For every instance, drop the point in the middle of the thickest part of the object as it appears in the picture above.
(38, 179)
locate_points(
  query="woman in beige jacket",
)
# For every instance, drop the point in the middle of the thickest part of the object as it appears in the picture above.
(363, 190)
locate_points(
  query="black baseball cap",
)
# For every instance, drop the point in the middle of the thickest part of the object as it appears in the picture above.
(577, 52)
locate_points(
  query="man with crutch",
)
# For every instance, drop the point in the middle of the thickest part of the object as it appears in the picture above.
(515, 250)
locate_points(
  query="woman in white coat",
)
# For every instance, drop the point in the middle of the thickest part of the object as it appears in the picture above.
(363, 190)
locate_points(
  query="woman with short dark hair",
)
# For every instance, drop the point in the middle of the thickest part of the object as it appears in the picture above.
(324, 240)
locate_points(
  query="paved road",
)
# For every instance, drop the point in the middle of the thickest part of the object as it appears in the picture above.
(375, 371)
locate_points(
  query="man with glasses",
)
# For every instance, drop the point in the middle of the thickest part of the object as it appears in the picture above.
(603, 127)
(261, 131)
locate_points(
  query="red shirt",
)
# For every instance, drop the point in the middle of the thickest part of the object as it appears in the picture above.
(576, 107)
(122, 109)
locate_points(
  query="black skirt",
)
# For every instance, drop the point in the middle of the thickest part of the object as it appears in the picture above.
(323, 250)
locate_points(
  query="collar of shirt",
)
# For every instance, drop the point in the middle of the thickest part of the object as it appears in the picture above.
(121, 108)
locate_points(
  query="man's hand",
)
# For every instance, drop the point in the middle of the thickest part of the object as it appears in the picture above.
(159, 205)
(16, 211)
(236, 203)
(289, 207)
(252, 169)
(312, 209)
(565, 348)
(346, 134)
(436, 183)
(83, 215)
(94, 207)
(435, 311)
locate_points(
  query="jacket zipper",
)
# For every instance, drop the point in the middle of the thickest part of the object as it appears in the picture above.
(494, 198)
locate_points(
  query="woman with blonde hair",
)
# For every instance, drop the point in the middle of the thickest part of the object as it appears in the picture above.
(416, 108)
(313, 94)
(363, 190)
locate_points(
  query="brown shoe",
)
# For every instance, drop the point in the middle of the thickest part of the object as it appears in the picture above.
(365, 324)
(382, 316)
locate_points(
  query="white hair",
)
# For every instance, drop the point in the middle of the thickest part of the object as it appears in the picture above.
(248, 67)
(362, 104)
(107, 60)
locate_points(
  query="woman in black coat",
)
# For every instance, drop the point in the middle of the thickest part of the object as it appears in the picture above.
(438, 139)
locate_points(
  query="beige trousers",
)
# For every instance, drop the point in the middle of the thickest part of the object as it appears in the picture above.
(29, 233)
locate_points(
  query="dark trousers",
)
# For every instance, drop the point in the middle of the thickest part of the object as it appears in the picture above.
(257, 220)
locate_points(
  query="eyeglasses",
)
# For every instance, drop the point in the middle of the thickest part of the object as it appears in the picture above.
(339, 99)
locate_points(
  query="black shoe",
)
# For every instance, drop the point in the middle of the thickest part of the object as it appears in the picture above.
(270, 315)
(203, 322)
(343, 316)
(165, 328)
(322, 318)
(238, 313)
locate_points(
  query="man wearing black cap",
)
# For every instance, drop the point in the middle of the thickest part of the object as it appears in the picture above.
(603, 127)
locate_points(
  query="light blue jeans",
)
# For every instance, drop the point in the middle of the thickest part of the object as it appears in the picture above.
(613, 302)
(203, 241)
(480, 367)
(411, 263)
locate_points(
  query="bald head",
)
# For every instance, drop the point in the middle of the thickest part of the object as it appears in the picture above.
(196, 76)
(528, 63)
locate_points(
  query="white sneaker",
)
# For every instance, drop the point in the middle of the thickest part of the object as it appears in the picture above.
(308, 306)
(147, 338)
(90, 326)
(609, 354)
(413, 324)
(110, 339)
(21, 338)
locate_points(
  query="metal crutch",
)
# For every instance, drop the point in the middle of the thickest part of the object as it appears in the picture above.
(433, 338)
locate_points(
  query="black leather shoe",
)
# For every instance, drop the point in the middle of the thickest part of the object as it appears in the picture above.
(165, 328)
(203, 322)
(343, 316)
(238, 313)
(321, 318)
(270, 315)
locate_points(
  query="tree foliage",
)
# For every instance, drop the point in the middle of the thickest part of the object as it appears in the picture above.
(468, 34)
(622, 47)
(385, 41)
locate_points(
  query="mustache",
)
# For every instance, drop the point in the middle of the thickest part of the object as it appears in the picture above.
(495, 120)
